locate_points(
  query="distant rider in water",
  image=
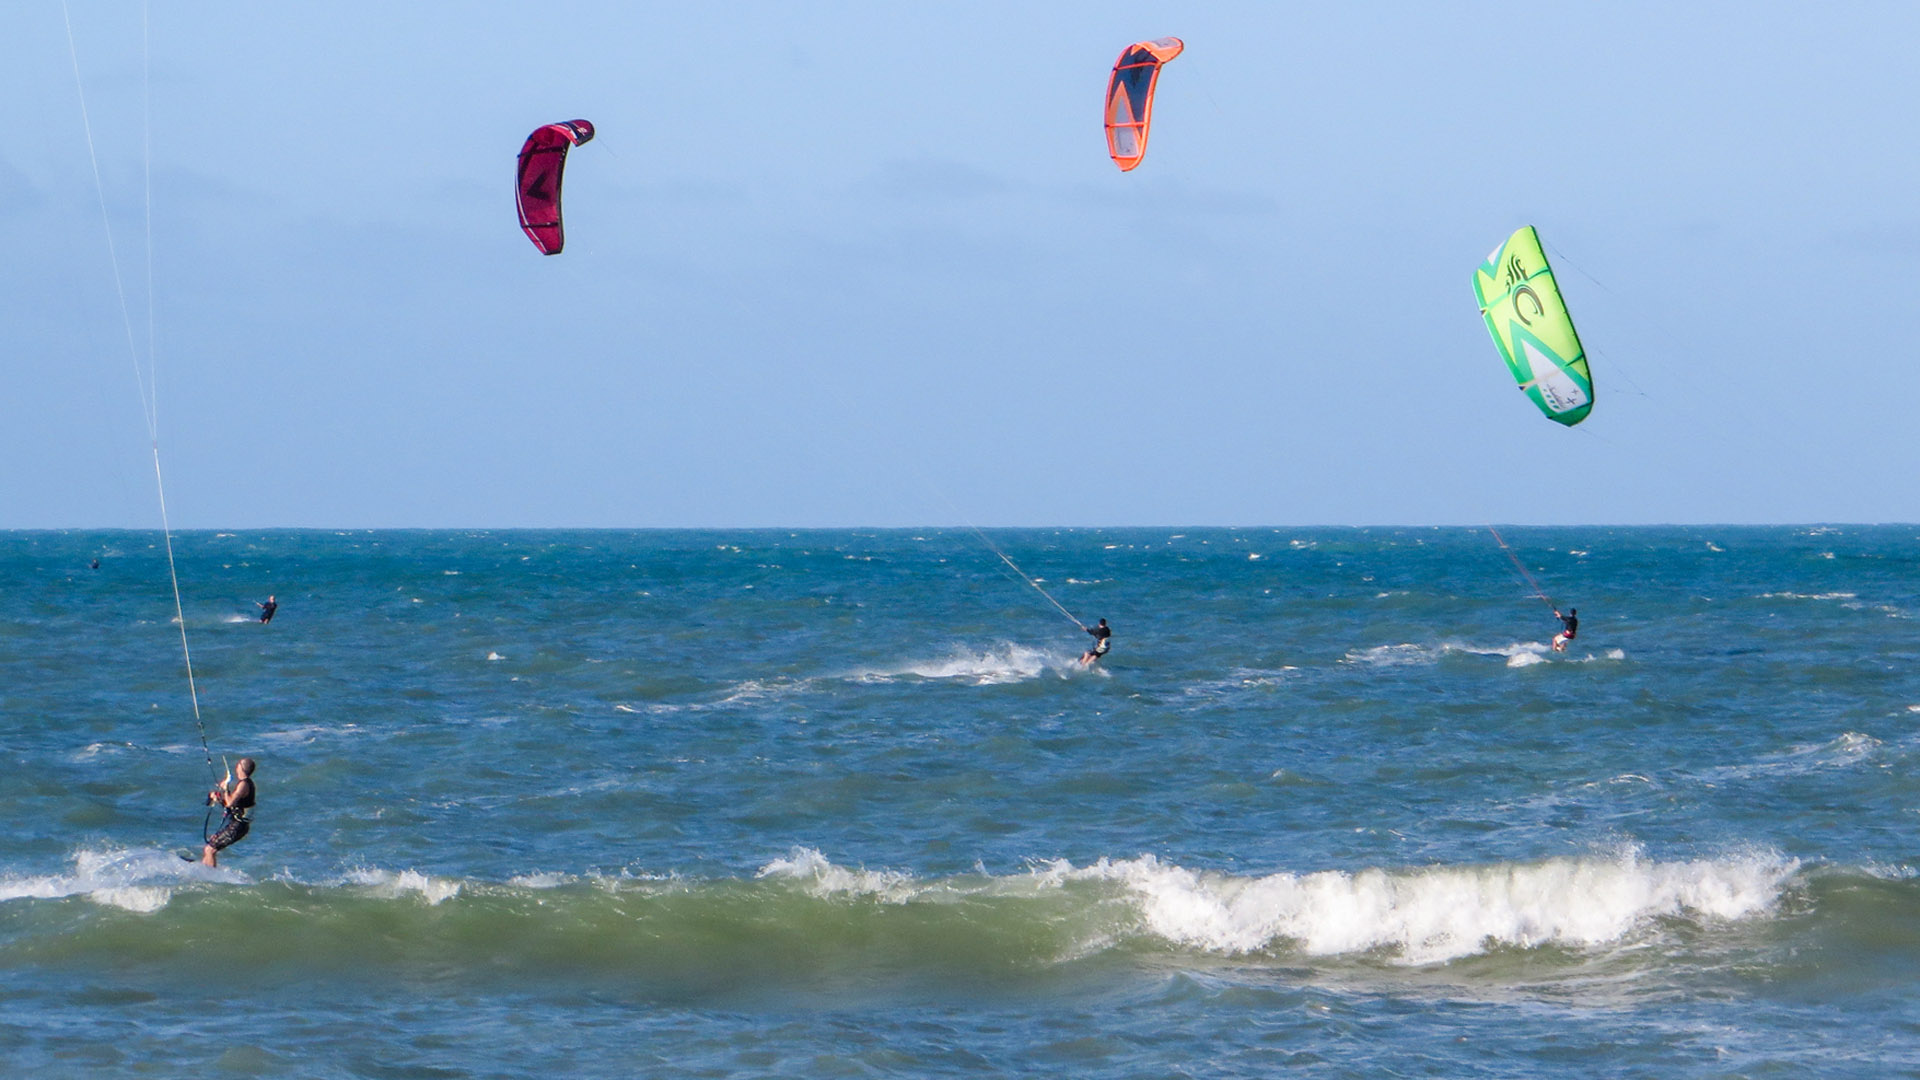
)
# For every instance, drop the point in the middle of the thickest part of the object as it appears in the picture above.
(1102, 640)
(1571, 620)
(236, 812)
(267, 609)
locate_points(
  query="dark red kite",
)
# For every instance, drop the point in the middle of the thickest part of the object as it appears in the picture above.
(543, 160)
(1130, 97)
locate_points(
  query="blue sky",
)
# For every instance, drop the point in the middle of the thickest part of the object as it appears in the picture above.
(869, 264)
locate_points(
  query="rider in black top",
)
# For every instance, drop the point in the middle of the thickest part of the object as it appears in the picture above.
(267, 609)
(1571, 622)
(1101, 641)
(236, 815)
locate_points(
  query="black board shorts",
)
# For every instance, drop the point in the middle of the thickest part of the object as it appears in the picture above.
(232, 831)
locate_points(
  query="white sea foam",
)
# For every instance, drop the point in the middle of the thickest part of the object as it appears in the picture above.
(547, 880)
(1004, 663)
(1808, 596)
(307, 733)
(139, 899)
(1518, 654)
(92, 750)
(824, 879)
(1889, 871)
(1399, 655)
(751, 690)
(1436, 914)
(1844, 751)
(391, 885)
(1242, 679)
(744, 692)
(140, 881)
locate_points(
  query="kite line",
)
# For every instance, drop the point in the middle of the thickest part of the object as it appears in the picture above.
(1024, 576)
(145, 381)
(1534, 585)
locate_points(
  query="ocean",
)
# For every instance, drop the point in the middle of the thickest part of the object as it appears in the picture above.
(843, 803)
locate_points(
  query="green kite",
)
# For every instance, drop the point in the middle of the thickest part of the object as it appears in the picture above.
(1531, 327)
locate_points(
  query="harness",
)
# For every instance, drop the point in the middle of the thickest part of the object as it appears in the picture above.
(243, 814)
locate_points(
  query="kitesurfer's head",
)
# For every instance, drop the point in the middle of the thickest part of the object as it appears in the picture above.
(1103, 622)
(244, 767)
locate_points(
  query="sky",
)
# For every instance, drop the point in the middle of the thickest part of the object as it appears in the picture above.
(869, 264)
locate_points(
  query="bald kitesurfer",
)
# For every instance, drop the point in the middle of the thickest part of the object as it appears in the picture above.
(1570, 623)
(267, 609)
(236, 811)
(1102, 639)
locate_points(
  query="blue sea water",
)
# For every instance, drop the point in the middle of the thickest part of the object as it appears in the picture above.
(842, 803)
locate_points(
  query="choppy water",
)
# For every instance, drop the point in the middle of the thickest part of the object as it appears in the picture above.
(842, 804)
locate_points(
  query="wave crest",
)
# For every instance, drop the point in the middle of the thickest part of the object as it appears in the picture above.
(1442, 913)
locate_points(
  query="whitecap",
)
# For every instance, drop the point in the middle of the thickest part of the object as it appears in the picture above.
(1845, 750)
(547, 880)
(139, 899)
(824, 879)
(1243, 679)
(1399, 655)
(1436, 914)
(139, 880)
(1004, 663)
(387, 884)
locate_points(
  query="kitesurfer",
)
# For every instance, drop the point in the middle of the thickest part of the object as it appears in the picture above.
(236, 811)
(95, 565)
(267, 609)
(1102, 640)
(1571, 622)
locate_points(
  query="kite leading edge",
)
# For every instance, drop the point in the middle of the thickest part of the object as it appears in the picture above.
(1130, 98)
(543, 161)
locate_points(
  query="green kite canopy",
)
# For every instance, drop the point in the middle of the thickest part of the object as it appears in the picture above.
(1531, 327)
